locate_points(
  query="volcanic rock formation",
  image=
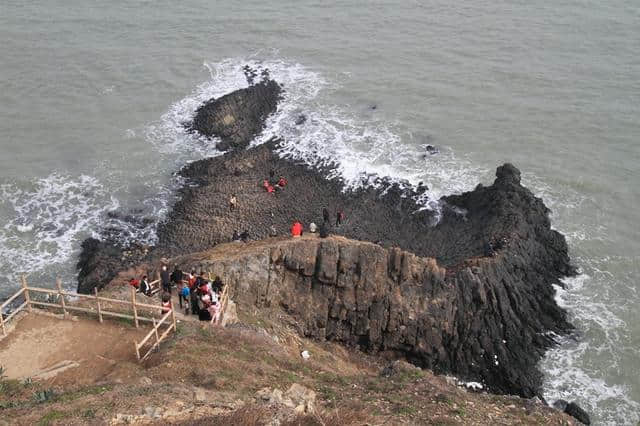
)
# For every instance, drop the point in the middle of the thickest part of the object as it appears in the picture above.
(486, 316)
(236, 118)
(467, 289)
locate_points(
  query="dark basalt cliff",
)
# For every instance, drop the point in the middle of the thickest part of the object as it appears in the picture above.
(471, 294)
(479, 321)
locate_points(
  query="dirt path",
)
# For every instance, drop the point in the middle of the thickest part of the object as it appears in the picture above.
(64, 351)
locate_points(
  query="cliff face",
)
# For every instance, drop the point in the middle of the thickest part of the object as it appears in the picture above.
(474, 298)
(480, 321)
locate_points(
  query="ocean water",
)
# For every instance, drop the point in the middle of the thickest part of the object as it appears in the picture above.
(93, 94)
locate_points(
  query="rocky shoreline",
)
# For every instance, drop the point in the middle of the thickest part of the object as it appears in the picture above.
(471, 294)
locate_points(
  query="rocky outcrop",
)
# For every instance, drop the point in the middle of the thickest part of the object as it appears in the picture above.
(574, 410)
(481, 320)
(236, 118)
(465, 290)
(100, 261)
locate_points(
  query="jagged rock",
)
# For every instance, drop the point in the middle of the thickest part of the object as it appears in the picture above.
(575, 411)
(560, 405)
(199, 396)
(236, 118)
(447, 319)
(435, 298)
(300, 394)
(98, 264)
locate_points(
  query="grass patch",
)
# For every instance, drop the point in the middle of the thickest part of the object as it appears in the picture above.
(79, 393)
(51, 417)
(10, 388)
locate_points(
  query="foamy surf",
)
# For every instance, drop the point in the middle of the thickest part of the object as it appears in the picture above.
(360, 147)
(601, 335)
(357, 148)
(48, 219)
(570, 368)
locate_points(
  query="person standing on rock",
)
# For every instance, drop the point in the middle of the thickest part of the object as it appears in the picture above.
(233, 201)
(325, 215)
(339, 217)
(165, 279)
(296, 229)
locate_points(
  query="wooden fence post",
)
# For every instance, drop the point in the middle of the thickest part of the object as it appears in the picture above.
(95, 292)
(61, 296)
(173, 317)
(26, 293)
(155, 328)
(137, 350)
(135, 310)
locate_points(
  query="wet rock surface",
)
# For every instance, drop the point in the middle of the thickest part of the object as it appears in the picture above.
(236, 118)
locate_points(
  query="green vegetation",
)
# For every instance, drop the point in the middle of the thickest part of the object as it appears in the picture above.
(51, 417)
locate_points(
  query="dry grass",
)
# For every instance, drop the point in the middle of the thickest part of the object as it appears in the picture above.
(339, 417)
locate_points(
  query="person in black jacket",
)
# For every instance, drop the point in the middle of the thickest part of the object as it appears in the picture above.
(325, 215)
(165, 279)
(145, 288)
(176, 276)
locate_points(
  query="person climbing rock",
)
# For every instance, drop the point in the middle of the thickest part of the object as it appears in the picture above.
(325, 215)
(296, 229)
(233, 201)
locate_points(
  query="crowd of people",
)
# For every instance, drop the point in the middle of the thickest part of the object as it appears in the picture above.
(200, 296)
(197, 294)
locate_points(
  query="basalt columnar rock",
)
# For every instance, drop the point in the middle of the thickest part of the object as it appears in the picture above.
(466, 289)
(236, 118)
(479, 320)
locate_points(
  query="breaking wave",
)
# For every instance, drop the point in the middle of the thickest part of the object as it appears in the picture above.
(48, 219)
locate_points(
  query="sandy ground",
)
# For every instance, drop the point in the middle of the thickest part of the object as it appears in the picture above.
(65, 351)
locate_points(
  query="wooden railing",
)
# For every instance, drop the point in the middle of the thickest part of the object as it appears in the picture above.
(224, 299)
(98, 301)
(154, 332)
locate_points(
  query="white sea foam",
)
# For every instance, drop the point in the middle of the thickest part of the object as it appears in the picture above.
(570, 368)
(359, 148)
(49, 217)
(356, 148)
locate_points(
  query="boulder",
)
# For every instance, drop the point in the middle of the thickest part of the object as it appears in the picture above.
(575, 411)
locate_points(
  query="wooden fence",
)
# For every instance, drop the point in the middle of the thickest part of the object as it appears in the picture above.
(99, 310)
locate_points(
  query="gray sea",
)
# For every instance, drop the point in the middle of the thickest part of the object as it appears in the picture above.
(93, 95)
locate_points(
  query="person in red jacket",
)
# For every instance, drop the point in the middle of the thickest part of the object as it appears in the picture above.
(296, 229)
(134, 283)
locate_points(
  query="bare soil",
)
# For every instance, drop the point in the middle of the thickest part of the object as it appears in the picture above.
(63, 352)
